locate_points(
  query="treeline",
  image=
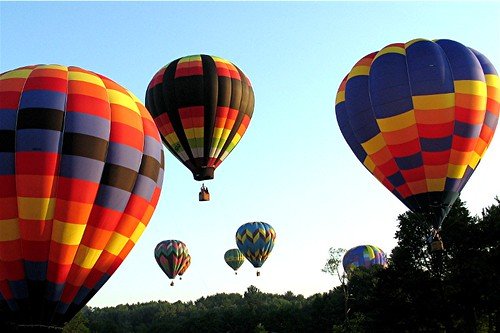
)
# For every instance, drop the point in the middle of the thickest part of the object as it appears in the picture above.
(252, 312)
(457, 290)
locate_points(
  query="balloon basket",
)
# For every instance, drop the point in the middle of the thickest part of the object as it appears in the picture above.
(436, 242)
(204, 196)
(258, 273)
(437, 245)
(172, 283)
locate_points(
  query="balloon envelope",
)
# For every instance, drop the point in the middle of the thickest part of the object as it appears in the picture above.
(185, 265)
(172, 256)
(363, 256)
(202, 106)
(81, 168)
(234, 258)
(419, 116)
(255, 240)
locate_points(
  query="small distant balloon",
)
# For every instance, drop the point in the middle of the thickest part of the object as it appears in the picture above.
(363, 256)
(255, 240)
(173, 257)
(234, 258)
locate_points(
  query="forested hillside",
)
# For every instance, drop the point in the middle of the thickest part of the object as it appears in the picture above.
(453, 291)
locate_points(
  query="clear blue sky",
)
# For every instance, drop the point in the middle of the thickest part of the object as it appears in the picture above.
(293, 168)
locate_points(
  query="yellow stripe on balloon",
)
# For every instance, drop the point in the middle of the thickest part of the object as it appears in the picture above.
(369, 164)
(340, 97)
(471, 87)
(36, 208)
(225, 135)
(397, 122)
(117, 97)
(390, 49)
(53, 66)
(493, 87)
(86, 257)
(217, 132)
(17, 74)
(190, 58)
(475, 158)
(198, 134)
(85, 77)
(416, 40)
(492, 80)
(236, 139)
(221, 60)
(116, 243)
(456, 171)
(9, 230)
(67, 233)
(358, 71)
(137, 232)
(433, 102)
(374, 144)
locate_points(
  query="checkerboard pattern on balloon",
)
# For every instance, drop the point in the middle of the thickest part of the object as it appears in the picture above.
(82, 168)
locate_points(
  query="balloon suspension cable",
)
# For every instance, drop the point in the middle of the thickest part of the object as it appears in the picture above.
(434, 238)
(172, 283)
(435, 241)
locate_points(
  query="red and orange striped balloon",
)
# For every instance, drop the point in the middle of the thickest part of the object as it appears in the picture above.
(81, 168)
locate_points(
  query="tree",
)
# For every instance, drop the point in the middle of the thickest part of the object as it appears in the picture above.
(407, 296)
(332, 267)
(454, 291)
(333, 263)
(79, 323)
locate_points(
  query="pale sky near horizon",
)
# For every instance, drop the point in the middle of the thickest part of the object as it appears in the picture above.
(292, 168)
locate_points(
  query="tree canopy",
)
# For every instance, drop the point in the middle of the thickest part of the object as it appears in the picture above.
(456, 290)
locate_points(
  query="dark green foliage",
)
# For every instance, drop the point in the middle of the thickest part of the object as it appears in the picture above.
(454, 291)
(79, 323)
(253, 312)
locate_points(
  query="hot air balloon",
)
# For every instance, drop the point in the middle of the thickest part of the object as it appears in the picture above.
(184, 267)
(202, 106)
(363, 256)
(234, 258)
(419, 116)
(172, 256)
(255, 241)
(81, 168)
